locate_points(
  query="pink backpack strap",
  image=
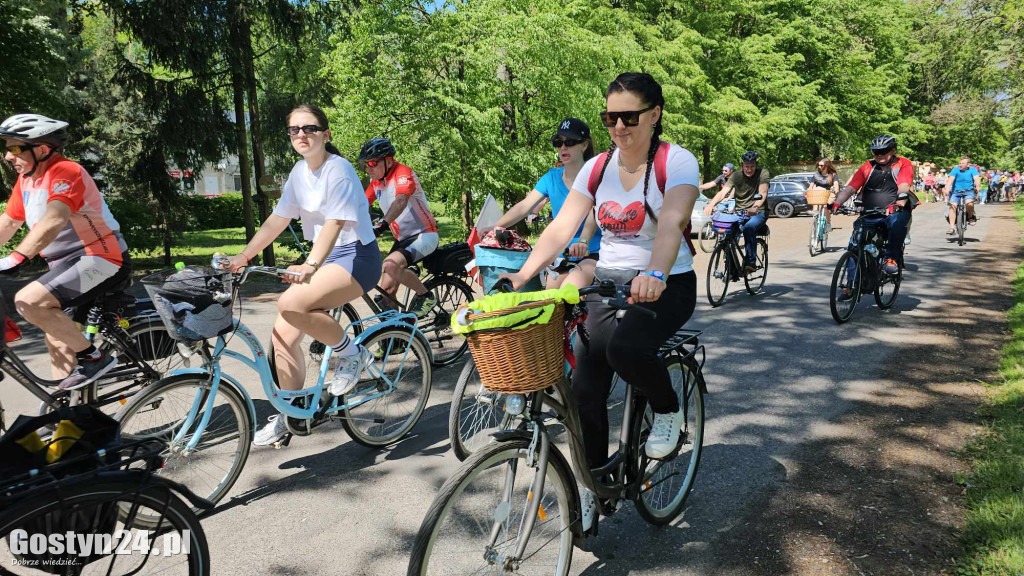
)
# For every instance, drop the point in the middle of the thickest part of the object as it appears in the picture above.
(595, 175)
(660, 169)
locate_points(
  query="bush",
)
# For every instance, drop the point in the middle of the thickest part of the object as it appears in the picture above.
(217, 212)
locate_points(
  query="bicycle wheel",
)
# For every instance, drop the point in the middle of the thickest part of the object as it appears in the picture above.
(707, 237)
(845, 291)
(961, 223)
(476, 522)
(667, 484)
(888, 288)
(814, 241)
(312, 350)
(475, 413)
(161, 411)
(401, 375)
(102, 508)
(718, 274)
(755, 280)
(446, 345)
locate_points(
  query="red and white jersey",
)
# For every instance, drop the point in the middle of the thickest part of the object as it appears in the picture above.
(416, 218)
(90, 231)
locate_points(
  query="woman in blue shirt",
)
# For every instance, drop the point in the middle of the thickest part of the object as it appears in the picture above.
(572, 141)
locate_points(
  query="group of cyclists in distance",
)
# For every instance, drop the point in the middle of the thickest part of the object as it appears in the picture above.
(623, 214)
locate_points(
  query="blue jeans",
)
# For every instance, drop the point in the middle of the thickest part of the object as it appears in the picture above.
(983, 194)
(750, 229)
(897, 223)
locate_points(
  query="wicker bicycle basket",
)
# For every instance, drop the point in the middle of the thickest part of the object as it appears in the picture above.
(519, 361)
(817, 197)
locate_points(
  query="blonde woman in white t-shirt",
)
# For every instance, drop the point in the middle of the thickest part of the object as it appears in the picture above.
(324, 191)
(642, 242)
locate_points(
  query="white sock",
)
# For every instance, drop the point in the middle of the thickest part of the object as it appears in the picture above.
(345, 347)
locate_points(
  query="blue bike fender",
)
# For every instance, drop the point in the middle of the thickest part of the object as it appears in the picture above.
(396, 325)
(230, 381)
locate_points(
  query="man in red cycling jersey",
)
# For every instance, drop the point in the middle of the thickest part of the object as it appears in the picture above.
(407, 214)
(880, 182)
(71, 227)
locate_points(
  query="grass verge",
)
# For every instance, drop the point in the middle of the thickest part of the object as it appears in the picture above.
(994, 532)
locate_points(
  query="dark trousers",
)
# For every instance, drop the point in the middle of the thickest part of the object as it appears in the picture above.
(629, 348)
(897, 224)
(750, 229)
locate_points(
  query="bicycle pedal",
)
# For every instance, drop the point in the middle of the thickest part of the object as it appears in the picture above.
(283, 441)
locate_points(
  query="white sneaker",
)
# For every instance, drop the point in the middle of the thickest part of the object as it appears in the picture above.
(588, 509)
(664, 434)
(274, 431)
(347, 370)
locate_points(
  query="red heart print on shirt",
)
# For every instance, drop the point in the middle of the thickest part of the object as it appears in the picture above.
(619, 221)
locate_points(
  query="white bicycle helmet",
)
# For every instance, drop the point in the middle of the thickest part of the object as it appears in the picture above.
(35, 129)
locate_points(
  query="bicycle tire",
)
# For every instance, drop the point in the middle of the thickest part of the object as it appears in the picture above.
(313, 350)
(812, 242)
(718, 274)
(192, 469)
(497, 459)
(445, 345)
(708, 237)
(381, 432)
(68, 505)
(659, 482)
(474, 413)
(961, 223)
(839, 313)
(886, 301)
(754, 281)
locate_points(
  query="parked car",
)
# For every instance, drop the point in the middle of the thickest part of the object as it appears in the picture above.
(795, 177)
(787, 198)
(697, 218)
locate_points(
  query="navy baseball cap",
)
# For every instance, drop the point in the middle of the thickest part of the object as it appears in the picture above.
(573, 128)
(729, 166)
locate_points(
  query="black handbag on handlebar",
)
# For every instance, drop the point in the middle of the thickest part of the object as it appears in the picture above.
(450, 259)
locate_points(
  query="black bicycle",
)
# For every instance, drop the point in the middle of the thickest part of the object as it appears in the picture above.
(727, 259)
(120, 518)
(513, 507)
(123, 326)
(860, 268)
(961, 220)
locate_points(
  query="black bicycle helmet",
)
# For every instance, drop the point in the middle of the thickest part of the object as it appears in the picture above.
(750, 157)
(883, 143)
(377, 148)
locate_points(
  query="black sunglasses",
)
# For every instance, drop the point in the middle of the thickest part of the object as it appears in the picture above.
(19, 148)
(307, 129)
(629, 118)
(558, 143)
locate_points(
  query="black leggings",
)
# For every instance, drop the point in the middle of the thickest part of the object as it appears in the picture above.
(629, 348)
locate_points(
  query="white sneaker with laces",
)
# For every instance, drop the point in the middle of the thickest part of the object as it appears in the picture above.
(588, 509)
(274, 431)
(664, 434)
(347, 369)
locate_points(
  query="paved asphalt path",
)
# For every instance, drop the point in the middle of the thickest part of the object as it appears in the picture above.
(779, 370)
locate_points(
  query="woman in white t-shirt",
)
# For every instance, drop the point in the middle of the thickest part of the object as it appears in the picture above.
(324, 191)
(642, 242)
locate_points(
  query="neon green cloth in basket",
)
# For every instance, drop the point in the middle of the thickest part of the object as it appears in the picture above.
(568, 294)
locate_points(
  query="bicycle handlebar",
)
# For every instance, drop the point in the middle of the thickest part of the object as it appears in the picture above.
(614, 295)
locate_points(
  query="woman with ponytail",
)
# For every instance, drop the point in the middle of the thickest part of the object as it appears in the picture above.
(323, 191)
(642, 243)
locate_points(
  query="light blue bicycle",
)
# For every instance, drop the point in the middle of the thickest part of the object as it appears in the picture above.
(206, 416)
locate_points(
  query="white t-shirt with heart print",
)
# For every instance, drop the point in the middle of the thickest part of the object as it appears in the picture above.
(627, 232)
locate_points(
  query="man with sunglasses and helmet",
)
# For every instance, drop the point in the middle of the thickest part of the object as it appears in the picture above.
(71, 227)
(407, 213)
(721, 179)
(885, 182)
(750, 181)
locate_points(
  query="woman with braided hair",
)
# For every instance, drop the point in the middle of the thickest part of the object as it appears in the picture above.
(643, 190)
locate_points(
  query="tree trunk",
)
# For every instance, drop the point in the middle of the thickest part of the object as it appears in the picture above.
(241, 135)
(467, 195)
(262, 201)
(705, 153)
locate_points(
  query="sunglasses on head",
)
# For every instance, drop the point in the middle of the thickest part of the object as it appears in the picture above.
(559, 142)
(307, 129)
(373, 163)
(629, 118)
(19, 148)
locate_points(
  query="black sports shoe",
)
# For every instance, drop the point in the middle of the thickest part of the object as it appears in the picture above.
(88, 371)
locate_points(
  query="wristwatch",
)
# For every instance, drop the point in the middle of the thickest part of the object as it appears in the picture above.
(656, 274)
(313, 263)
